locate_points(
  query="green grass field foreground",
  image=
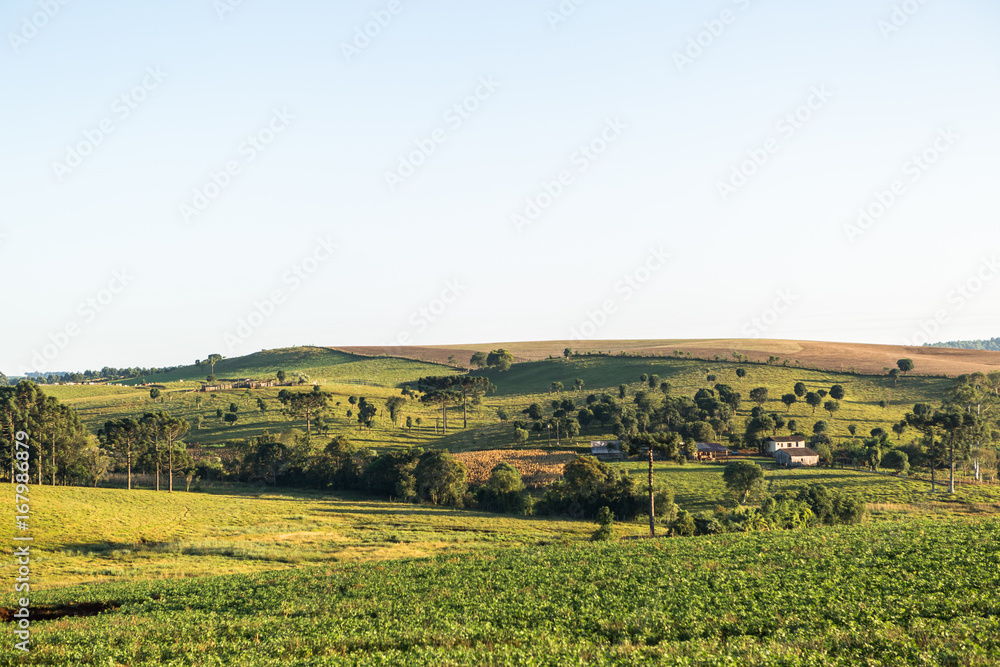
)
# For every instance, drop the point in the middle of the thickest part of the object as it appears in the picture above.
(918, 593)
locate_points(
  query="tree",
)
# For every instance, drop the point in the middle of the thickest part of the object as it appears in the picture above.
(905, 365)
(897, 460)
(800, 389)
(120, 437)
(814, 400)
(172, 429)
(743, 478)
(213, 359)
(471, 387)
(440, 390)
(622, 391)
(741, 373)
(303, 404)
(478, 360)
(520, 436)
(789, 400)
(837, 392)
(440, 478)
(500, 359)
(505, 478)
(567, 353)
(281, 375)
(759, 395)
(831, 407)
(154, 394)
(924, 420)
(366, 412)
(556, 388)
(230, 418)
(394, 404)
(578, 383)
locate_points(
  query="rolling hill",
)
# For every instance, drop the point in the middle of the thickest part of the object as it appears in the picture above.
(845, 357)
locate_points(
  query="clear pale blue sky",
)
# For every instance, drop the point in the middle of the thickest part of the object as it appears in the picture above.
(681, 131)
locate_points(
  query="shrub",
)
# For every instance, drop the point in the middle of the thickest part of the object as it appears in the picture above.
(606, 531)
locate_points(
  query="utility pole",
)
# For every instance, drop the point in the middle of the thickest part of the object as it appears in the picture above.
(652, 529)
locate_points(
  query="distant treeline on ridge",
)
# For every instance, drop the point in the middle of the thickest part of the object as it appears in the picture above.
(990, 344)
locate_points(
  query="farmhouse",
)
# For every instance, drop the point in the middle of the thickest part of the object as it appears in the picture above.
(791, 442)
(709, 451)
(796, 456)
(607, 450)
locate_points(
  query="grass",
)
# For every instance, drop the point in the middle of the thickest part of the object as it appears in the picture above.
(320, 363)
(85, 535)
(699, 487)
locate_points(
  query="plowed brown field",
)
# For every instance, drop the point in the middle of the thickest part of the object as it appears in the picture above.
(864, 358)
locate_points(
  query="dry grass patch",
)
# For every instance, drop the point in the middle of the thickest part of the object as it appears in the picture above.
(537, 467)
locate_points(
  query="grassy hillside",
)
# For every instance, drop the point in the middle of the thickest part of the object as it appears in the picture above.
(523, 384)
(320, 363)
(861, 595)
(528, 382)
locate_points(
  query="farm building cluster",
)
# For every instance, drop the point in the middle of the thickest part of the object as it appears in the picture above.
(241, 383)
(790, 452)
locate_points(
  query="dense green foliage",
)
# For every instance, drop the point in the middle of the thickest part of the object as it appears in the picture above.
(871, 595)
(588, 485)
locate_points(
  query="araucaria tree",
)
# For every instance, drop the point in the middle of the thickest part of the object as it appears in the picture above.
(121, 437)
(439, 390)
(303, 404)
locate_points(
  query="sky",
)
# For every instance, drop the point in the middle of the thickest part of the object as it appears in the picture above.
(226, 176)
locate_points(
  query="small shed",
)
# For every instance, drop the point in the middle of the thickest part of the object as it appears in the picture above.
(772, 445)
(710, 451)
(796, 456)
(607, 450)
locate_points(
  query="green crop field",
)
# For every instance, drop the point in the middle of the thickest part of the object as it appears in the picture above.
(920, 593)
